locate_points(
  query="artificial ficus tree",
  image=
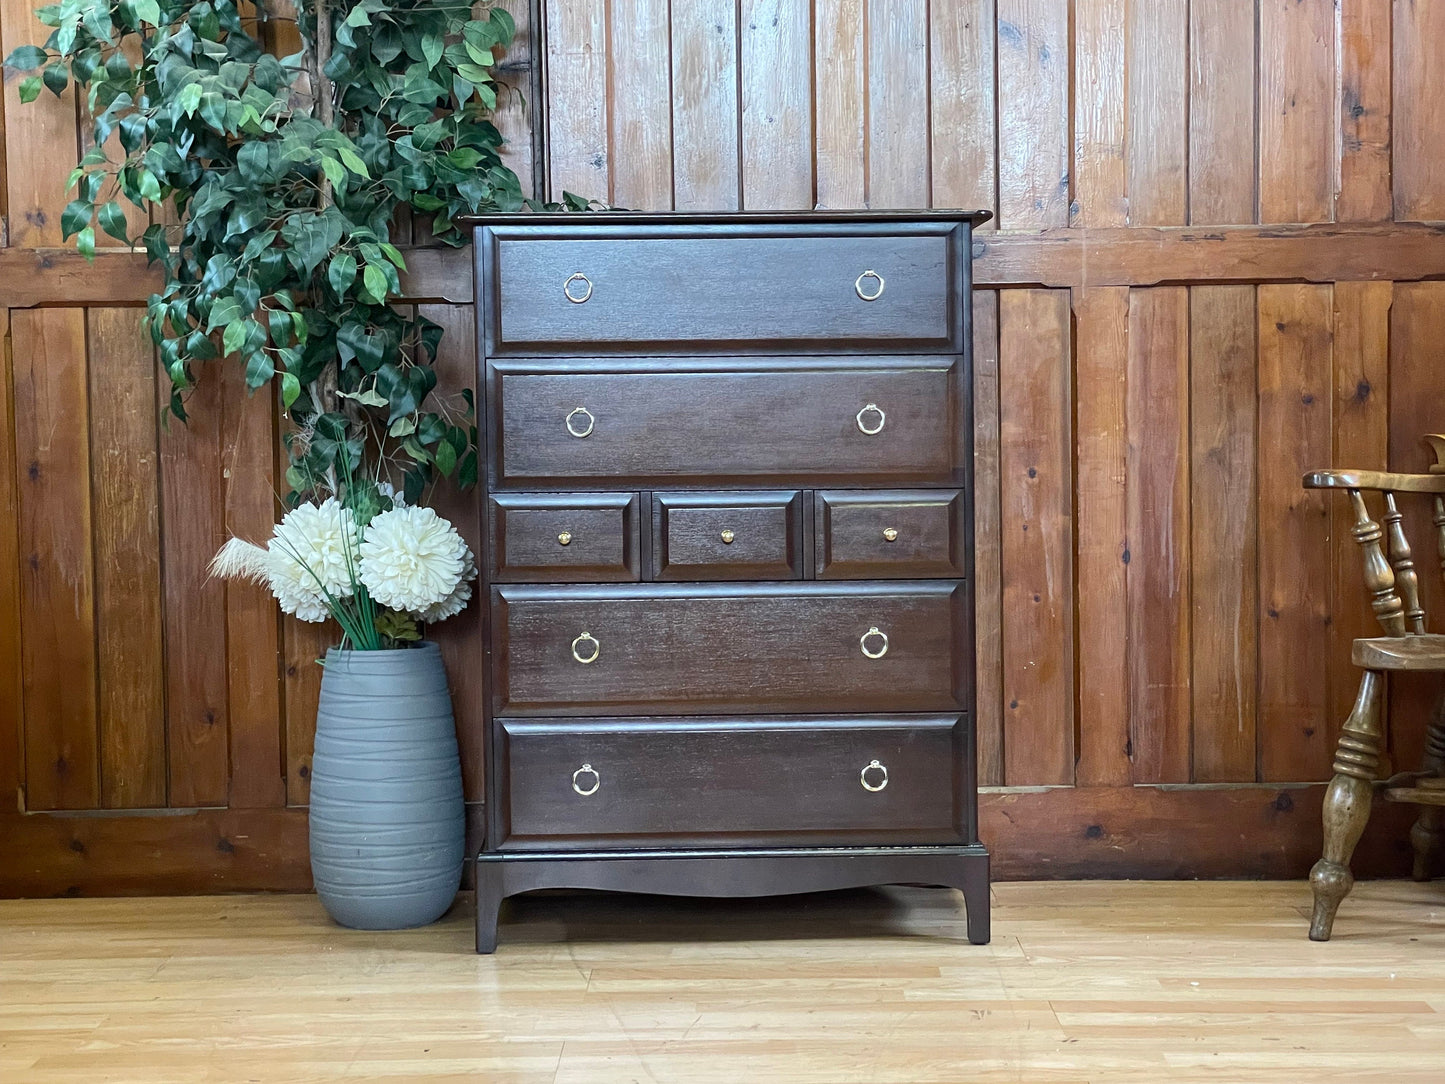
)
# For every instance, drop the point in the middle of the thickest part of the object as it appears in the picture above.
(284, 177)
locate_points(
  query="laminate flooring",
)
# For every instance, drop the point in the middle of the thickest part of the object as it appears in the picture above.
(1084, 981)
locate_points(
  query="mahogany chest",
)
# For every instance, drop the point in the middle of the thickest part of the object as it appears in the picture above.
(728, 556)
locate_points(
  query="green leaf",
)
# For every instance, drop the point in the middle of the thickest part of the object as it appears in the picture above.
(341, 272)
(148, 11)
(335, 172)
(188, 100)
(446, 459)
(403, 427)
(75, 217)
(112, 221)
(431, 48)
(223, 312)
(353, 162)
(56, 78)
(290, 390)
(234, 338)
(373, 280)
(26, 58)
(85, 242)
(148, 186)
(29, 89)
(358, 16)
(259, 369)
(505, 24)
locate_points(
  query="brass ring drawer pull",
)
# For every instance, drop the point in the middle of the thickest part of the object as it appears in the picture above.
(874, 295)
(565, 538)
(580, 429)
(578, 276)
(727, 536)
(871, 430)
(881, 771)
(890, 534)
(585, 639)
(874, 631)
(587, 769)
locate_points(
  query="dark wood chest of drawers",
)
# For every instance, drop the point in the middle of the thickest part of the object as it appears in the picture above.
(728, 554)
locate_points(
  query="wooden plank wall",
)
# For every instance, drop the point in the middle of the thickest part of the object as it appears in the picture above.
(1215, 262)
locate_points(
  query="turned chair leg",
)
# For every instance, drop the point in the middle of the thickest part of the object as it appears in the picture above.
(1347, 803)
(1425, 835)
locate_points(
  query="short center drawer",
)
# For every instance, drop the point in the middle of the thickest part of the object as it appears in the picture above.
(727, 536)
(665, 649)
(905, 534)
(618, 782)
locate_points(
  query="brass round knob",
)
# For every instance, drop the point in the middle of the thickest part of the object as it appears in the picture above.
(580, 421)
(728, 536)
(587, 769)
(874, 633)
(583, 641)
(879, 774)
(867, 279)
(890, 534)
(573, 295)
(565, 538)
(869, 427)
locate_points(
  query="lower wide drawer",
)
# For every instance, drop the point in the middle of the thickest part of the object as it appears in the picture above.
(660, 649)
(572, 783)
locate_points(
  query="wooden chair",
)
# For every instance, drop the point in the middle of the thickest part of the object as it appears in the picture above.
(1395, 589)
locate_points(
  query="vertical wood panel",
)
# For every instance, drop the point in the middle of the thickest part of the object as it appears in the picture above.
(1419, 78)
(1033, 97)
(577, 81)
(1035, 465)
(1223, 587)
(841, 151)
(57, 614)
(12, 722)
(1365, 64)
(1101, 373)
(253, 630)
(1296, 110)
(192, 518)
(1221, 112)
(961, 68)
(1362, 441)
(898, 103)
(641, 99)
(41, 140)
(777, 105)
(1295, 591)
(987, 569)
(705, 105)
(303, 645)
(460, 636)
(513, 117)
(1159, 545)
(1100, 181)
(1417, 360)
(124, 466)
(1158, 139)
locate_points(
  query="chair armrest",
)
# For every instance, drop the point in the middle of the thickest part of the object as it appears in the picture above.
(1437, 445)
(1376, 479)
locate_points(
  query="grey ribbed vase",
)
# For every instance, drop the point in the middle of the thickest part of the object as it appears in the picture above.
(387, 819)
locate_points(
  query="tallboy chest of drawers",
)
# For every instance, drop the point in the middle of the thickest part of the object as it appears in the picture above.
(728, 554)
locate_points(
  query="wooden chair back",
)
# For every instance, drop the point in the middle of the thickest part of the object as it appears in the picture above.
(1390, 574)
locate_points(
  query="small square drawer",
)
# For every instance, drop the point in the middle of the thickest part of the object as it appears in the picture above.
(587, 538)
(901, 533)
(727, 536)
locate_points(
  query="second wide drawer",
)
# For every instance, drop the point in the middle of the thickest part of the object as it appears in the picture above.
(658, 649)
(628, 782)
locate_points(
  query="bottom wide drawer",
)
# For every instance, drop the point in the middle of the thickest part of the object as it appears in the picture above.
(777, 781)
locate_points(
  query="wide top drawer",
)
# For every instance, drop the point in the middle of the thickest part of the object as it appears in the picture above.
(720, 289)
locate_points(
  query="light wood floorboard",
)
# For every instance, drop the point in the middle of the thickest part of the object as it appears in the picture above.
(1084, 982)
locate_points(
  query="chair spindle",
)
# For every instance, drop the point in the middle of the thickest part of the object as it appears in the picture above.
(1379, 576)
(1407, 580)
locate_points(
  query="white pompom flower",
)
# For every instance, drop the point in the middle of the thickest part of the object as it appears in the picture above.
(457, 601)
(411, 559)
(311, 555)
